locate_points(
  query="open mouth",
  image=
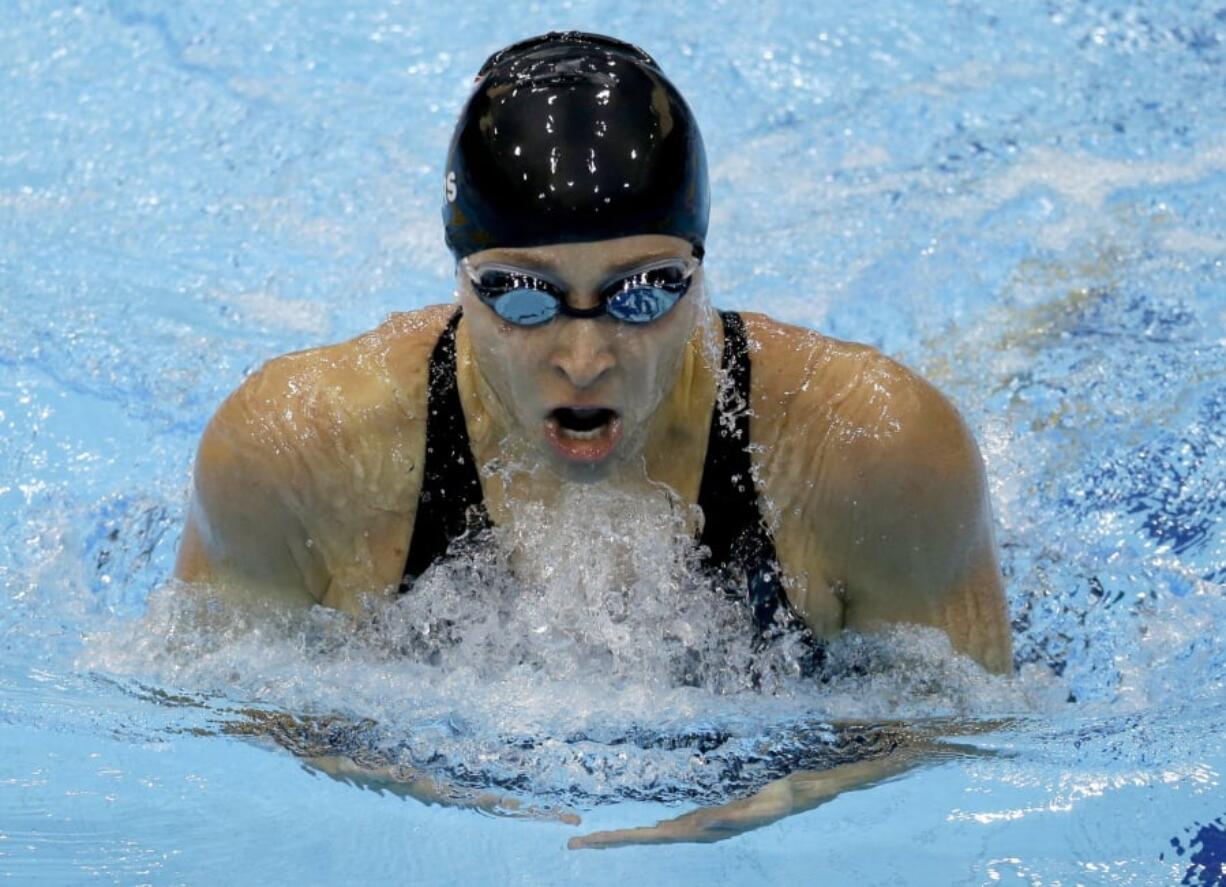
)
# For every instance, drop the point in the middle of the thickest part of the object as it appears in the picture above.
(583, 434)
(583, 423)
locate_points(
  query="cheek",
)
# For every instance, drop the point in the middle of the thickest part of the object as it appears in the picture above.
(508, 360)
(652, 363)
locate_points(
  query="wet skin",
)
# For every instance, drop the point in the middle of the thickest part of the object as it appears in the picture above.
(307, 478)
(522, 375)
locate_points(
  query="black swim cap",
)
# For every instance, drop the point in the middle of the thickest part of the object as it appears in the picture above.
(572, 137)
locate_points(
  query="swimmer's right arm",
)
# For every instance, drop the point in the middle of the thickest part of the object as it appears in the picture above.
(409, 783)
(243, 540)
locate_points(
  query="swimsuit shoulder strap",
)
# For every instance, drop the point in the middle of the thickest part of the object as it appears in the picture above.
(733, 528)
(727, 497)
(450, 503)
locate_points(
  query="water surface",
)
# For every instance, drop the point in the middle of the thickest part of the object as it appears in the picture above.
(1021, 201)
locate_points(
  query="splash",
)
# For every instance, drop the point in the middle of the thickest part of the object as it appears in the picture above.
(580, 650)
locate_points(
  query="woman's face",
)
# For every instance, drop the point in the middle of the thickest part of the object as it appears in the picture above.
(581, 391)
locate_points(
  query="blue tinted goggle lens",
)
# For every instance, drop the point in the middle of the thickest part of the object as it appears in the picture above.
(643, 302)
(525, 307)
(524, 299)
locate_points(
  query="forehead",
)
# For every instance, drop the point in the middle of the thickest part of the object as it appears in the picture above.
(588, 260)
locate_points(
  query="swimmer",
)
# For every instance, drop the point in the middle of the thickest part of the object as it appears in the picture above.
(833, 488)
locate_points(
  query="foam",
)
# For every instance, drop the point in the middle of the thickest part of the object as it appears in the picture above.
(579, 648)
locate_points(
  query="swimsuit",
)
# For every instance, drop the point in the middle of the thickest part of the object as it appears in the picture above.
(742, 553)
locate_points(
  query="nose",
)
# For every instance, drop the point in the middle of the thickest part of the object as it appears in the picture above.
(582, 352)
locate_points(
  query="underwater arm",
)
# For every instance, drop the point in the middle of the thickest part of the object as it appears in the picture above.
(409, 783)
(339, 748)
(910, 747)
(792, 794)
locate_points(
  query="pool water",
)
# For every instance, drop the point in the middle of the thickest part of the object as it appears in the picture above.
(1020, 201)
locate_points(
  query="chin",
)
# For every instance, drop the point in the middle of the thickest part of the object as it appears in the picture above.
(583, 472)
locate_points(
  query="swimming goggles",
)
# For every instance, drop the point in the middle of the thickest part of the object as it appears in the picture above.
(527, 298)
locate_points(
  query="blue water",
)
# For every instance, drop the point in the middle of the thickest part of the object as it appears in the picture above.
(1020, 200)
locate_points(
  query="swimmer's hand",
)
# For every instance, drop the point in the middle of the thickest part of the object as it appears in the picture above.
(409, 783)
(783, 797)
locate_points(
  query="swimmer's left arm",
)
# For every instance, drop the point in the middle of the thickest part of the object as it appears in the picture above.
(912, 748)
(914, 540)
(776, 800)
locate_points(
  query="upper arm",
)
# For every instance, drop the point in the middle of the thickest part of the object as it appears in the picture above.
(244, 535)
(917, 542)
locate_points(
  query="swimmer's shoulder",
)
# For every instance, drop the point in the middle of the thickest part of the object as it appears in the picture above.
(870, 438)
(845, 394)
(303, 482)
(877, 488)
(334, 416)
